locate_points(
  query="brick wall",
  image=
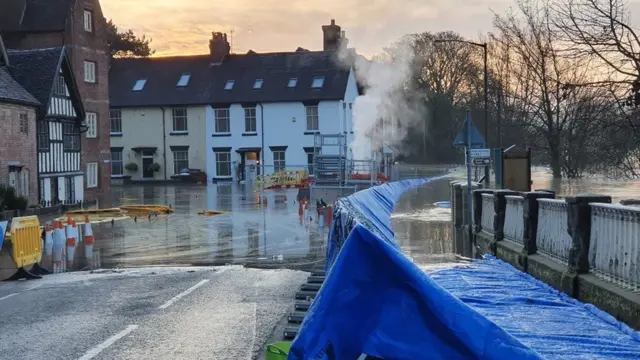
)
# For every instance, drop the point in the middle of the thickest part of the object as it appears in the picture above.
(32, 41)
(91, 46)
(18, 146)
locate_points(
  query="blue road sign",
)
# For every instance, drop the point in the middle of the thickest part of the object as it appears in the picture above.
(477, 141)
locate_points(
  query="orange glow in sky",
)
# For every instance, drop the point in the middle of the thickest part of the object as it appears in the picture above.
(184, 27)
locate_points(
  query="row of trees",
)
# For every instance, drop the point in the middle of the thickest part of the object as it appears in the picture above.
(563, 79)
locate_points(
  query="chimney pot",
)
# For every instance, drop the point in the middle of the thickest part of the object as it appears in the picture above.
(333, 22)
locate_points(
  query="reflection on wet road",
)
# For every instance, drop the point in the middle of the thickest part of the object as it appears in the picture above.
(252, 233)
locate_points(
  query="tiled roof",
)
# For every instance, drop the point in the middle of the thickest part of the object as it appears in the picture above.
(207, 84)
(162, 75)
(35, 70)
(34, 15)
(11, 91)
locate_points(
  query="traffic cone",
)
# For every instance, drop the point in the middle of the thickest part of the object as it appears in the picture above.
(48, 245)
(71, 242)
(89, 240)
(58, 246)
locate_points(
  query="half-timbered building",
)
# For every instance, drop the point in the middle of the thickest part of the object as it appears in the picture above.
(47, 74)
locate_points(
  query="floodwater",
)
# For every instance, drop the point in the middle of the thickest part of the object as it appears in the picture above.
(251, 233)
(273, 235)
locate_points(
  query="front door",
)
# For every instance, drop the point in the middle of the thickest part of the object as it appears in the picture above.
(147, 172)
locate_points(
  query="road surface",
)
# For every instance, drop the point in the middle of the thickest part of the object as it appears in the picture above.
(152, 313)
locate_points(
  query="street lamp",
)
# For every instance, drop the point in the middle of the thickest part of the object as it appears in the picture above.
(486, 87)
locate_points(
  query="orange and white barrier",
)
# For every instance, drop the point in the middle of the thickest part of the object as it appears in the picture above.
(71, 242)
(58, 247)
(89, 240)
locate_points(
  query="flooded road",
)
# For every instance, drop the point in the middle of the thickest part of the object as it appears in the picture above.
(251, 233)
(272, 234)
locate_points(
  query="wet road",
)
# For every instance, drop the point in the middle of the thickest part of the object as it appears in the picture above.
(161, 313)
(252, 233)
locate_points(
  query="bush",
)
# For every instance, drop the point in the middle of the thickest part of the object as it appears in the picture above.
(10, 201)
(155, 167)
(133, 167)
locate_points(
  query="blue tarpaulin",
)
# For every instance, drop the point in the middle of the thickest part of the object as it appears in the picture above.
(377, 302)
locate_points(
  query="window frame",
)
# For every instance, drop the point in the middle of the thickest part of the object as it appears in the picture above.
(139, 85)
(90, 72)
(117, 118)
(218, 162)
(23, 117)
(176, 161)
(42, 136)
(184, 83)
(257, 84)
(229, 84)
(70, 137)
(92, 117)
(250, 114)
(279, 164)
(320, 83)
(217, 119)
(92, 174)
(120, 162)
(310, 117)
(176, 118)
(88, 21)
(294, 81)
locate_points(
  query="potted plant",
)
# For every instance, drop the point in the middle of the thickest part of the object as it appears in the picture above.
(155, 167)
(131, 167)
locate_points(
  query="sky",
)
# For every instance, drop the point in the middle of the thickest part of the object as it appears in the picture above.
(184, 27)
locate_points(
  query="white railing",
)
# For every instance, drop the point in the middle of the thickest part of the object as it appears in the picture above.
(553, 240)
(487, 213)
(514, 219)
(614, 251)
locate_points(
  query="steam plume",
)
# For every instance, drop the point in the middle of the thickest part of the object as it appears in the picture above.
(389, 109)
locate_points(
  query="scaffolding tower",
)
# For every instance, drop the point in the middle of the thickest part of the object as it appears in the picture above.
(329, 159)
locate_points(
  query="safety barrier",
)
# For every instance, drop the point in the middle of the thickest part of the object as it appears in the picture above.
(479, 310)
(297, 178)
(26, 248)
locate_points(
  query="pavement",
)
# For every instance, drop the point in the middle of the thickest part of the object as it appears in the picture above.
(226, 312)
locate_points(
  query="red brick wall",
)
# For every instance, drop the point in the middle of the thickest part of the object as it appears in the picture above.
(18, 146)
(32, 41)
(92, 46)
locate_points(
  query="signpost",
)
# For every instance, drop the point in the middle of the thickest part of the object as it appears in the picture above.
(475, 152)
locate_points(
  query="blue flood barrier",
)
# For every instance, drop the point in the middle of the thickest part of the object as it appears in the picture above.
(377, 302)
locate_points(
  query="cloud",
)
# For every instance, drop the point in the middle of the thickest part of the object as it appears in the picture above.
(275, 25)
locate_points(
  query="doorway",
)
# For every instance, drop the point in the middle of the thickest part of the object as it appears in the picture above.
(147, 160)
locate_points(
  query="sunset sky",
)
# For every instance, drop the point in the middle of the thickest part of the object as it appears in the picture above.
(184, 27)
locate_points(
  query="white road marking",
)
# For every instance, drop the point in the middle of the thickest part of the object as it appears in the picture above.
(34, 287)
(8, 296)
(110, 341)
(183, 294)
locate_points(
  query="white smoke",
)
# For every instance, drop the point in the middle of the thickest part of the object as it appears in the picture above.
(387, 110)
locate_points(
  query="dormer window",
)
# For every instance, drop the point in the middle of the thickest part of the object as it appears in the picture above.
(139, 85)
(184, 80)
(317, 82)
(229, 84)
(258, 84)
(292, 83)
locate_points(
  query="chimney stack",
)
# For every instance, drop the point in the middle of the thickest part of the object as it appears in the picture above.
(333, 36)
(219, 47)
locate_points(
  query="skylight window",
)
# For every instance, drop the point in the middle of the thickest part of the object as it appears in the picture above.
(318, 81)
(229, 84)
(139, 85)
(292, 82)
(184, 80)
(258, 84)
